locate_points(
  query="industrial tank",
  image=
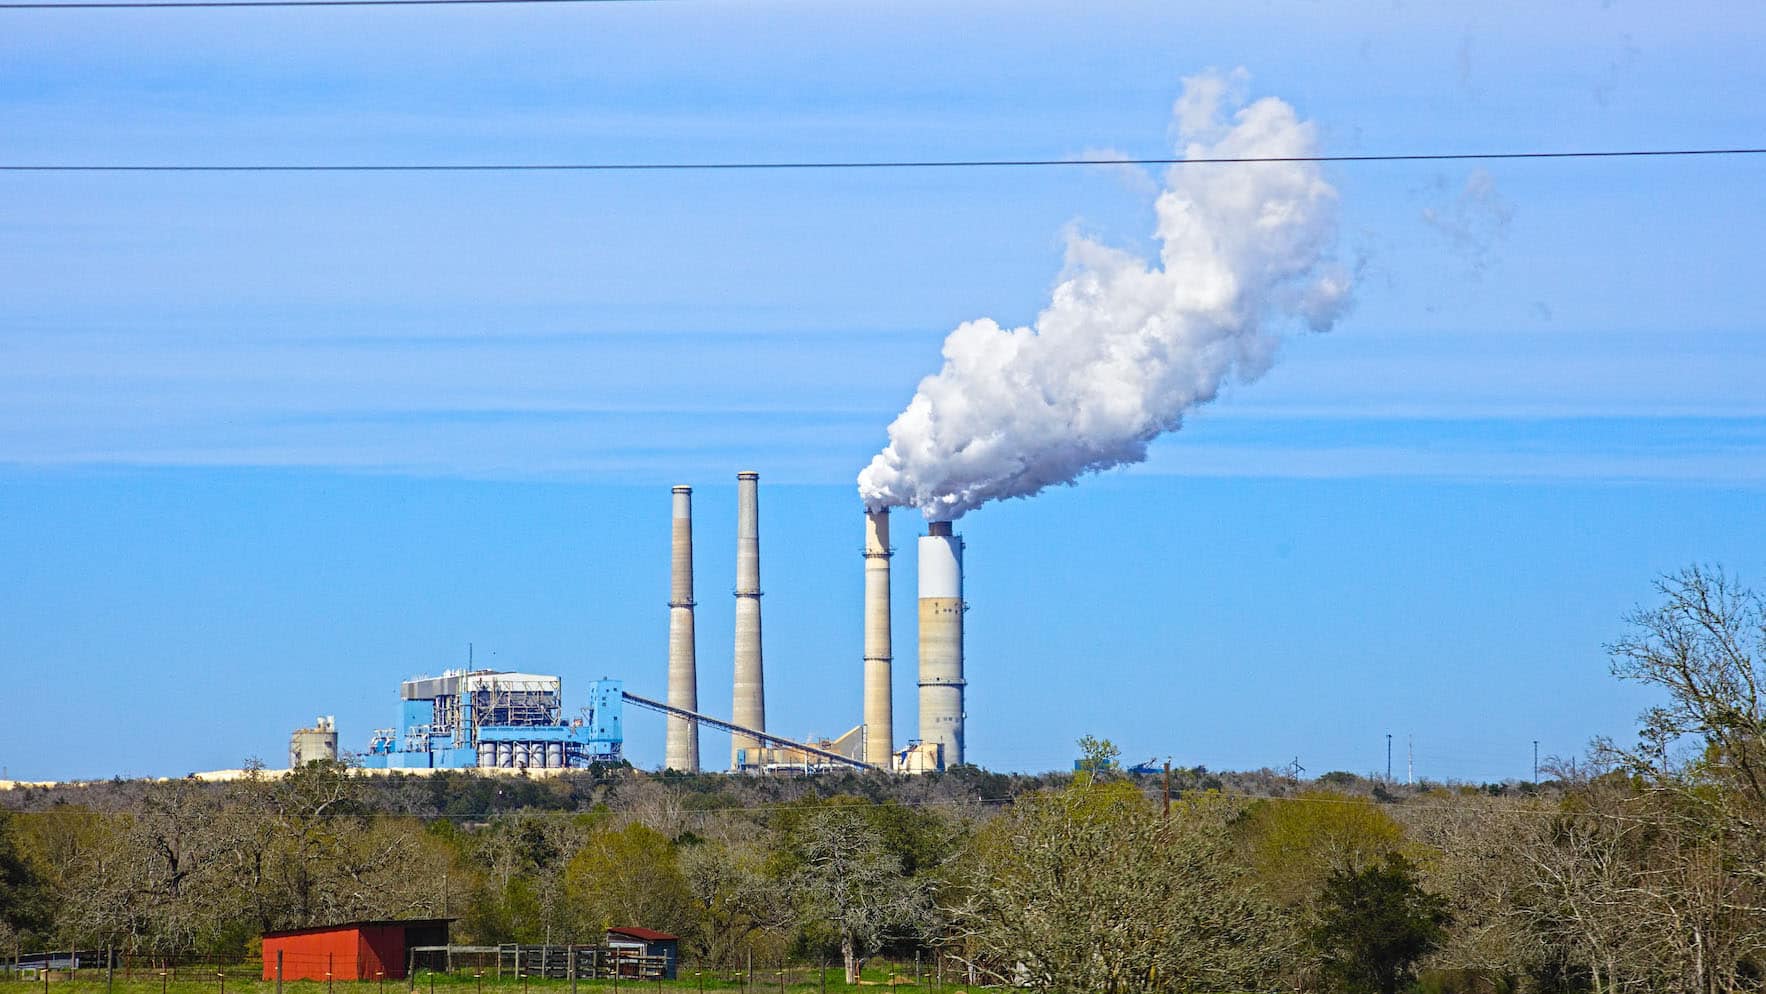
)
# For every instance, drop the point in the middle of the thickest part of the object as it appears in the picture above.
(309, 744)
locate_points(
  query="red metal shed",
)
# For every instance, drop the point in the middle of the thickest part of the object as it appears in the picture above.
(351, 950)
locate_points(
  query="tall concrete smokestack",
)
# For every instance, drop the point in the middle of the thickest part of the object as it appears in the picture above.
(941, 641)
(749, 707)
(682, 746)
(879, 703)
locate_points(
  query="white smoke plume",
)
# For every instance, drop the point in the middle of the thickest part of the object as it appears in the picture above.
(1475, 221)
(1125, 347)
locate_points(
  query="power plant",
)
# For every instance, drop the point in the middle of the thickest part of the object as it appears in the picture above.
(495, 720)
(484, 719)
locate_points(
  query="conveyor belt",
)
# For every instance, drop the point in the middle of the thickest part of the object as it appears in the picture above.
(764, 737)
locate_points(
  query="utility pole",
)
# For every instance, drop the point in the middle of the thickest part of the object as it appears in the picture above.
(1388, 757)
(1409, 760)
(1535, 760)
(1167, 814)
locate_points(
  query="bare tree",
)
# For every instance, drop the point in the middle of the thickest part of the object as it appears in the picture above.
(656, 804)
(1699, 771)
(153, 880)
(1579, 888)
(850, 880)
(734, 897)
(1471, 861)
(1705, 645)
(1089, 889)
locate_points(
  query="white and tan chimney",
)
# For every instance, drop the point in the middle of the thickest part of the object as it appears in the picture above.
(879, 692)
(749, 707)
(681, 750)
(941, 641)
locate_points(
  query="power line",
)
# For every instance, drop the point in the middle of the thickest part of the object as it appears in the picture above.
(149, 4)
(851, 164)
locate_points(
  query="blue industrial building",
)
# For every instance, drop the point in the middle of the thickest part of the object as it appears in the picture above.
(480, 719)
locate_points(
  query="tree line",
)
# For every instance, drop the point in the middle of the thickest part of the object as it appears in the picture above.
(1638, 866)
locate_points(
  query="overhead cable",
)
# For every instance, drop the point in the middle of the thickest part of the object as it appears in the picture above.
(151, 4)
(415, 167)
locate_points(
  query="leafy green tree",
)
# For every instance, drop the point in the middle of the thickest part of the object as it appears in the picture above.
(1297, 842)
(628, 876)
(24, 901)
(1097, 757)
(1374, 924)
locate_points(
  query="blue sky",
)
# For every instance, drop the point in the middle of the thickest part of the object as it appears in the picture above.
(270, 443)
